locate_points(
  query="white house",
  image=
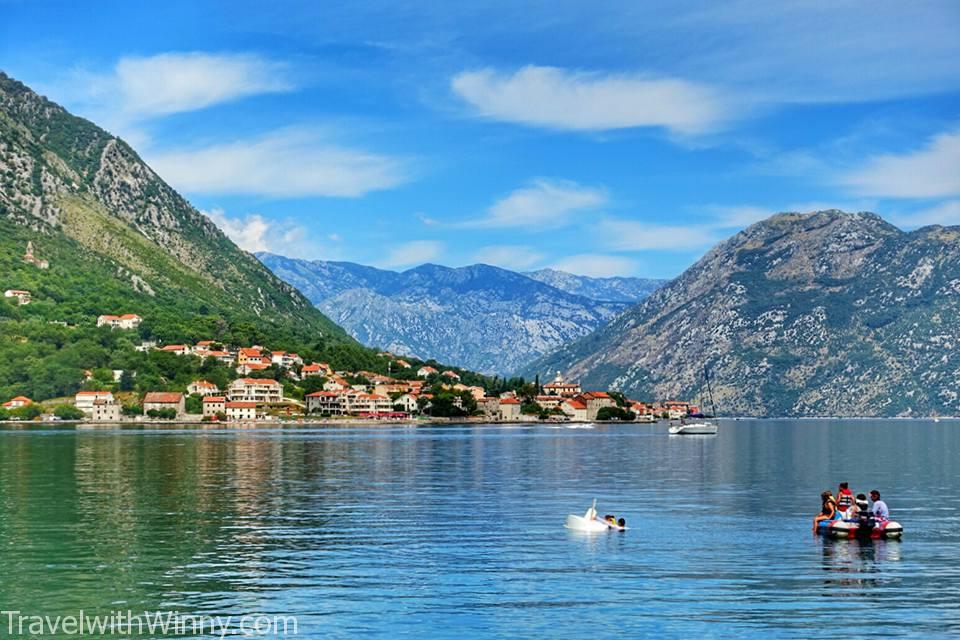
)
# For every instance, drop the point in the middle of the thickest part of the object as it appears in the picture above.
(126, 321)
(241, 411)
(425, 372)
(255, 390)
(22, 297)
(84, 399)
(202, 388)
(328, 403)
(509, 409)
(16, 403)
(408, 402)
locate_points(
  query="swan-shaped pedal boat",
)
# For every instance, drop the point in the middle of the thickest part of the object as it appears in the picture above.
(590, 523)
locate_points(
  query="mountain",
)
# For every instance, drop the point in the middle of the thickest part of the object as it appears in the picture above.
(480, 317)
(819, 314)
(120, 240)
(615, 289)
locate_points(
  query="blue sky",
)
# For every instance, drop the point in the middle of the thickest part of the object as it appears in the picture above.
(622, 139)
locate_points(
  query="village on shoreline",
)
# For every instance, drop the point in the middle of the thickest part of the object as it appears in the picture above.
(257, 394)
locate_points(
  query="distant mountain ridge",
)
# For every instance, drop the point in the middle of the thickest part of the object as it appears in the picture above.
(614, 289)
(480, 317)
(828, 313)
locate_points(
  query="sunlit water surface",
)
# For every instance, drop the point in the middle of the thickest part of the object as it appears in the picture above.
(457, 531)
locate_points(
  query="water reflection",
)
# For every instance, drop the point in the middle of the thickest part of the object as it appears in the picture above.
(858, 563)
(458, 531)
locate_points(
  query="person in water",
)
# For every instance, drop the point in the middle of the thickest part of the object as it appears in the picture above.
(622, 523)
(844, 498)
(828, 510)
(879, 509)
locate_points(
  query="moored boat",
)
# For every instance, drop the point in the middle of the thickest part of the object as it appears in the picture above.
(702, 428)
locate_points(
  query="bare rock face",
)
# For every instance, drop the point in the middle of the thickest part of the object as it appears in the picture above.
(827, 313)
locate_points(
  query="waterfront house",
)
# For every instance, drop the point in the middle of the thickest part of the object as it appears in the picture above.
(241, 411)
(159, 400)
(371, 403)
(559, 387)
(16, 403)
(576, 409)
(202, 388)
(104, 411)
(509, 409)
(84, 400)
(549, 402)
(126, 321)
(328, 403)
(255, 390)
(21, 296)
(490, 406)
(425, 372)
(407, 402)
(212, 405)
(594, 401)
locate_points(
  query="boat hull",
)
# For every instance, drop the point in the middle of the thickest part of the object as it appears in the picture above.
(695, 429)
(844, 529)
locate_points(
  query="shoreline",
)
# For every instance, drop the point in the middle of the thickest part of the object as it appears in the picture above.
(424, 422)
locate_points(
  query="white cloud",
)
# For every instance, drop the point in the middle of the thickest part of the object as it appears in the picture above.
(427, 220)
(542, 202)
(597, 265)
(176, 82)
(633, 235)
(946, 214)
(931, 172)
(413, 253)
(508, 256)
(563, 99)
(286, 163)
(140, 88)
(253, 232)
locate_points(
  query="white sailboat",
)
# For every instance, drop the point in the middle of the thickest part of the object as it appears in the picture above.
(701, 426)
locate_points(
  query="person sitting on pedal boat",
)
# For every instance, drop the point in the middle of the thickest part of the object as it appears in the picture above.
(844, 498)
(879, 509)
(828, 510)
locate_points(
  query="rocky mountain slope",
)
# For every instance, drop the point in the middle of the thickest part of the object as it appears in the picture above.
(828, 313)
(613, 289)
(120, 240)
(480, 317)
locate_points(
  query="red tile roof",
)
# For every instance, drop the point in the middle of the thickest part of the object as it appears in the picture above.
(241, 405)
(258, 381)
(509, 401)
(163, 397)
(214, 399)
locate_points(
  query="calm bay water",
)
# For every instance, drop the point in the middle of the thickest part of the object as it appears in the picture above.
(457, 532)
